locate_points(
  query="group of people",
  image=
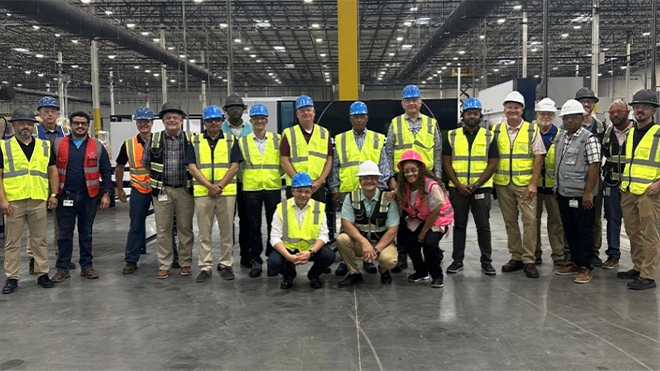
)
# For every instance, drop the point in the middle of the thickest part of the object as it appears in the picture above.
(393, 201)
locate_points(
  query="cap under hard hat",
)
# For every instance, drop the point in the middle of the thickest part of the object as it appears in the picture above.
(572, 107)
(368, 168)
(515, 97)
(546, 105)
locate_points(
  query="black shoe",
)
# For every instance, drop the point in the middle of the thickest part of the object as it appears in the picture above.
(327, 270)
(246, 263)
(227, 273)
(438, 283)
(512, 266)
(45, 282)
(369, 268)
(401, 264)
(641, 284)
(129, 268)
(203, 276)
(455, 267)
(386, 278)
(341, 270)
(270, 273)
(351, 280)
(488, 269)
(175, 264)
(31, 266)
(287, 283)
(530, 271)
(10, 286)
(315, 282)
(415, 277)
(72, 266)
(628, 275)
(596, 262)
(255, 271)
(538, 261)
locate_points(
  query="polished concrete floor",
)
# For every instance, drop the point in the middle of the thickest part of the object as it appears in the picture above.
(507, 322)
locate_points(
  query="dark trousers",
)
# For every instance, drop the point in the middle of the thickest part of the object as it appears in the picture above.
(136, 241)
(614, 216)
(578, 225)
(243, 225)
(84, 209)
(481, 213)
(322, 260)
(254, 201)
(433, 255)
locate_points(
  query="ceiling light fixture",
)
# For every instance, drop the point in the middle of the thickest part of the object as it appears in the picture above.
(36, 27)
(501, 20)
(112, 56)
(223, 25)
(316, 25)
(130, 25)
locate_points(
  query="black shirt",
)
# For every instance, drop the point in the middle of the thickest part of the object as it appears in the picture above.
(122, 157)
(234, 156)
(28, 149)
(493, 151)
(639, 134)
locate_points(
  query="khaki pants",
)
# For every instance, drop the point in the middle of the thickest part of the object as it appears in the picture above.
(56, 236)
(350, 250)
(513, 201)
(598, 221)
(555, 229)
(222, 208)
(181, 202)
(35, 214)
(640, 216)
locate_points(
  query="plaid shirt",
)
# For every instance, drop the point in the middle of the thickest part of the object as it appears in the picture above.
(592, 146)
(174, 169)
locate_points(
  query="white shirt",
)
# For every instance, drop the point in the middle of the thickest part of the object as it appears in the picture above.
(261, 143)
(276, 229)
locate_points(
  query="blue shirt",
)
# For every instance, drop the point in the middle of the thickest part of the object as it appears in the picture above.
(547, 137)
(246, 129)
(75, 172)
(348, 213)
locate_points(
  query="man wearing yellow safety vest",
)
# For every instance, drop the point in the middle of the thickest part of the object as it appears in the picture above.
(307, 148)
(591, 123)
(470, 159)
(300, 235)
(521, 159)
(171, 189)
(545, 117)
(262, 182)
(411, 130)
(640, 192)
(213, 159)
(28, 166)
(353, 148)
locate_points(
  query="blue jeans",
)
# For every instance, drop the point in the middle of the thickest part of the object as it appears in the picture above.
(84, 209)
(614, 215)
(136, 241)
(322, 259)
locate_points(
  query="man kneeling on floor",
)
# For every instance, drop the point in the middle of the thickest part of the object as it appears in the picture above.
(300, 235)
(370, 224)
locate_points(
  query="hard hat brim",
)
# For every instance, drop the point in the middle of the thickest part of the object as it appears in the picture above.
(225, 107)
(654, 104)
(31, 119)
(368, 173)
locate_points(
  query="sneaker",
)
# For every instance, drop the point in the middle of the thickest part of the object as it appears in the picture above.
(488, 269)
(628, 275)
(162, 274)
(89, 273)
(341, 270)
(255, 271)
(227, 273)
(370, 268)
(416, 277)
(287, 283)
(186, 271)
(437, 283)
(31, 266)
(175, 264)
(10, 286)
(351, 280)
(45, 282)
(610, 263)
(455, 267)
(512, 266)
(60, 276)
(129, 268)
(386, 278)
(596, 262)
(203, 276)
(569, 269)
(639, 284)
(531, 271)
(584, 276)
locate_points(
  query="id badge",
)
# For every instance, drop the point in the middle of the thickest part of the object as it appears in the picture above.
(606, 191)
(573, 204)
(67, 203)
(162, 197)
(480, 196)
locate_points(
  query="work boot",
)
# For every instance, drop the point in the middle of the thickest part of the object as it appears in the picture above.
(512, 266)
(45, 282)
(369, 268)
(628, 275)
(10, 286)
(129, 268)
(60, 276)
(341, 270)
(530, 271)
(351, 280)
(641, 284)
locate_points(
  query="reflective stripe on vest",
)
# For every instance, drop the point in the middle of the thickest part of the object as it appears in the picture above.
(372, 227)
(23, 179)
(614, 163)
(421, 209)
(547, 177)
(140, 179)
(469, 162)
(516, 160)
(156, 168)
(300, 237)
(643, 165)
(261, 171)
(350, 156)
(91, 163)
(308, 157)
(213, 164)
(423, 142)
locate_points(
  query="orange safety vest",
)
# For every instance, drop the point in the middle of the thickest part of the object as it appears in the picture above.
(140, 179)
(90, 164)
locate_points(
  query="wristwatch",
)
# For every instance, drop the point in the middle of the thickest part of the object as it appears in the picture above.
(311, 254)
(476, 185)
(53, 195)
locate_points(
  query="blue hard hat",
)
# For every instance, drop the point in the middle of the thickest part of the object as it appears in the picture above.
(358, 108)
(258, 109)
(144, 113)
(48, 102)
(212, 112)
(304, 101)
(471, 103)
(411, 91)
(301, 179)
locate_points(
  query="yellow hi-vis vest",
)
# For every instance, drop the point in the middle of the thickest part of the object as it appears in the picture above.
(516, 160)
(470, 162)
(213, 164)
(300, 237)
(642, 165)
(308, 157)
(350, 157)
(22, 179)
(261, 171)
(423, 143)
(547, 178)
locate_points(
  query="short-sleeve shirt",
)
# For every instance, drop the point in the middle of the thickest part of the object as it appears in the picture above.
(28, 150)
(348, 213)
(122, 157)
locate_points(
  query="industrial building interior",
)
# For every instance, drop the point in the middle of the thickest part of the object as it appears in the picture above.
(108, 57)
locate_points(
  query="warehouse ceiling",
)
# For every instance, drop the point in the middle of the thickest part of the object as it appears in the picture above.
(293, 43)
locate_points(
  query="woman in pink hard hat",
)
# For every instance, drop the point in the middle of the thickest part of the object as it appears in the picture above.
(423, 196)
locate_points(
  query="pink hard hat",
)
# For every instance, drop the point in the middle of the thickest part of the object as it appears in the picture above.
(410, 155)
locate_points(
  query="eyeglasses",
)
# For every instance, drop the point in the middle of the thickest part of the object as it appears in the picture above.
(48, 111)
(215, 121)
(79, 124)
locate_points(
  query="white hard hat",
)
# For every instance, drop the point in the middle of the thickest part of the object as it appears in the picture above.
(515, 96)
(368, 168)
(572, 107)
(546, 105)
